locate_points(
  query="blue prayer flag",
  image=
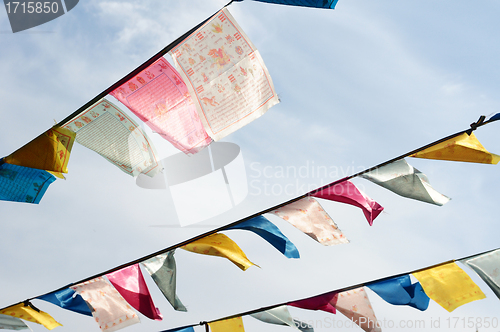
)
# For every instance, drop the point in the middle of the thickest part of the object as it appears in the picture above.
(495, 117)
(269, 232)
(23, 184)
(400, 291)
(181, 329)
(330, 4)
(65, 300)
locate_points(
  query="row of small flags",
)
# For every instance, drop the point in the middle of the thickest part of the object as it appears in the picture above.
(111, 298)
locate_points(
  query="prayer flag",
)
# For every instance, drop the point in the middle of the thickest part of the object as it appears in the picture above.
(159, 97)
(281, 316)
(269, 232)
(26, 312)
(50, 151)
(449, 286)
(327, 4)
(162, 269)
(23, 184)
(182, 329)
(487, 266)
(346, 192)
(355, 305)
(325, 302)
(307, 215)
(227, 325)
(130, 283)
(105, 129)
(66, 299)
(12, 323)
(109, 308)
(220, 245)
(407, 181)
(400, 291)
(225, 74)
(460, 148)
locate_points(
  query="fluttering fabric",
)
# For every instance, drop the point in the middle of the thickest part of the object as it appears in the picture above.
(346, 192)
(130, 283)
(281, 316)
(328, 4)
(400, 291)
(160, 98)
(23, 184)
(162, 269)
(487, 266)
(50, 151)
(182, 329)
(325, 302)
(12, 323)
(355, 305)
(225, 74)
(105, 129)
(308, 216)
(449, 286)
(461, 148)
(31, 315)
(407, 181)
(110, 310)
(66, 299)
(271, 233)
(227, 325)
(220, 245)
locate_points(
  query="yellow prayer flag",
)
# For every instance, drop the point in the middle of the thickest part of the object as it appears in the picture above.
(220, 245)
(227, 325)
(449, 286)
(50, 151)
(29, 314)
(460, 148)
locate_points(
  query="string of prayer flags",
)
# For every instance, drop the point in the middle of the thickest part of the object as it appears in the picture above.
(269, 232)
(130, 283)
(28, 313)
(281, 316)
(449, 286)
(109, 308)
(105, 129)
(23, 184)
(400, 291)
(487, 266)
(66, 299)
(407, 181)
(355, 305)
(327, 4)
(464, 147)
(346, 192)
(227, 325)
(220, 245)
(308, 216)
(225, 75)
(159, 97)
(162, 269)
(50, 151)
(325, 302)
(12, 323)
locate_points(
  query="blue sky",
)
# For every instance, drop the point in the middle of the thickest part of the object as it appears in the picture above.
(358, 85)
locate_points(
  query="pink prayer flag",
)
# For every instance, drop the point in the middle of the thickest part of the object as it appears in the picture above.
(130, 283)
(346, 192)
(355, 305)
(307, 215)
(325, 302)
(159, 97)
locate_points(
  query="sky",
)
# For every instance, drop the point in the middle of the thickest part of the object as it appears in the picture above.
(358, 85)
